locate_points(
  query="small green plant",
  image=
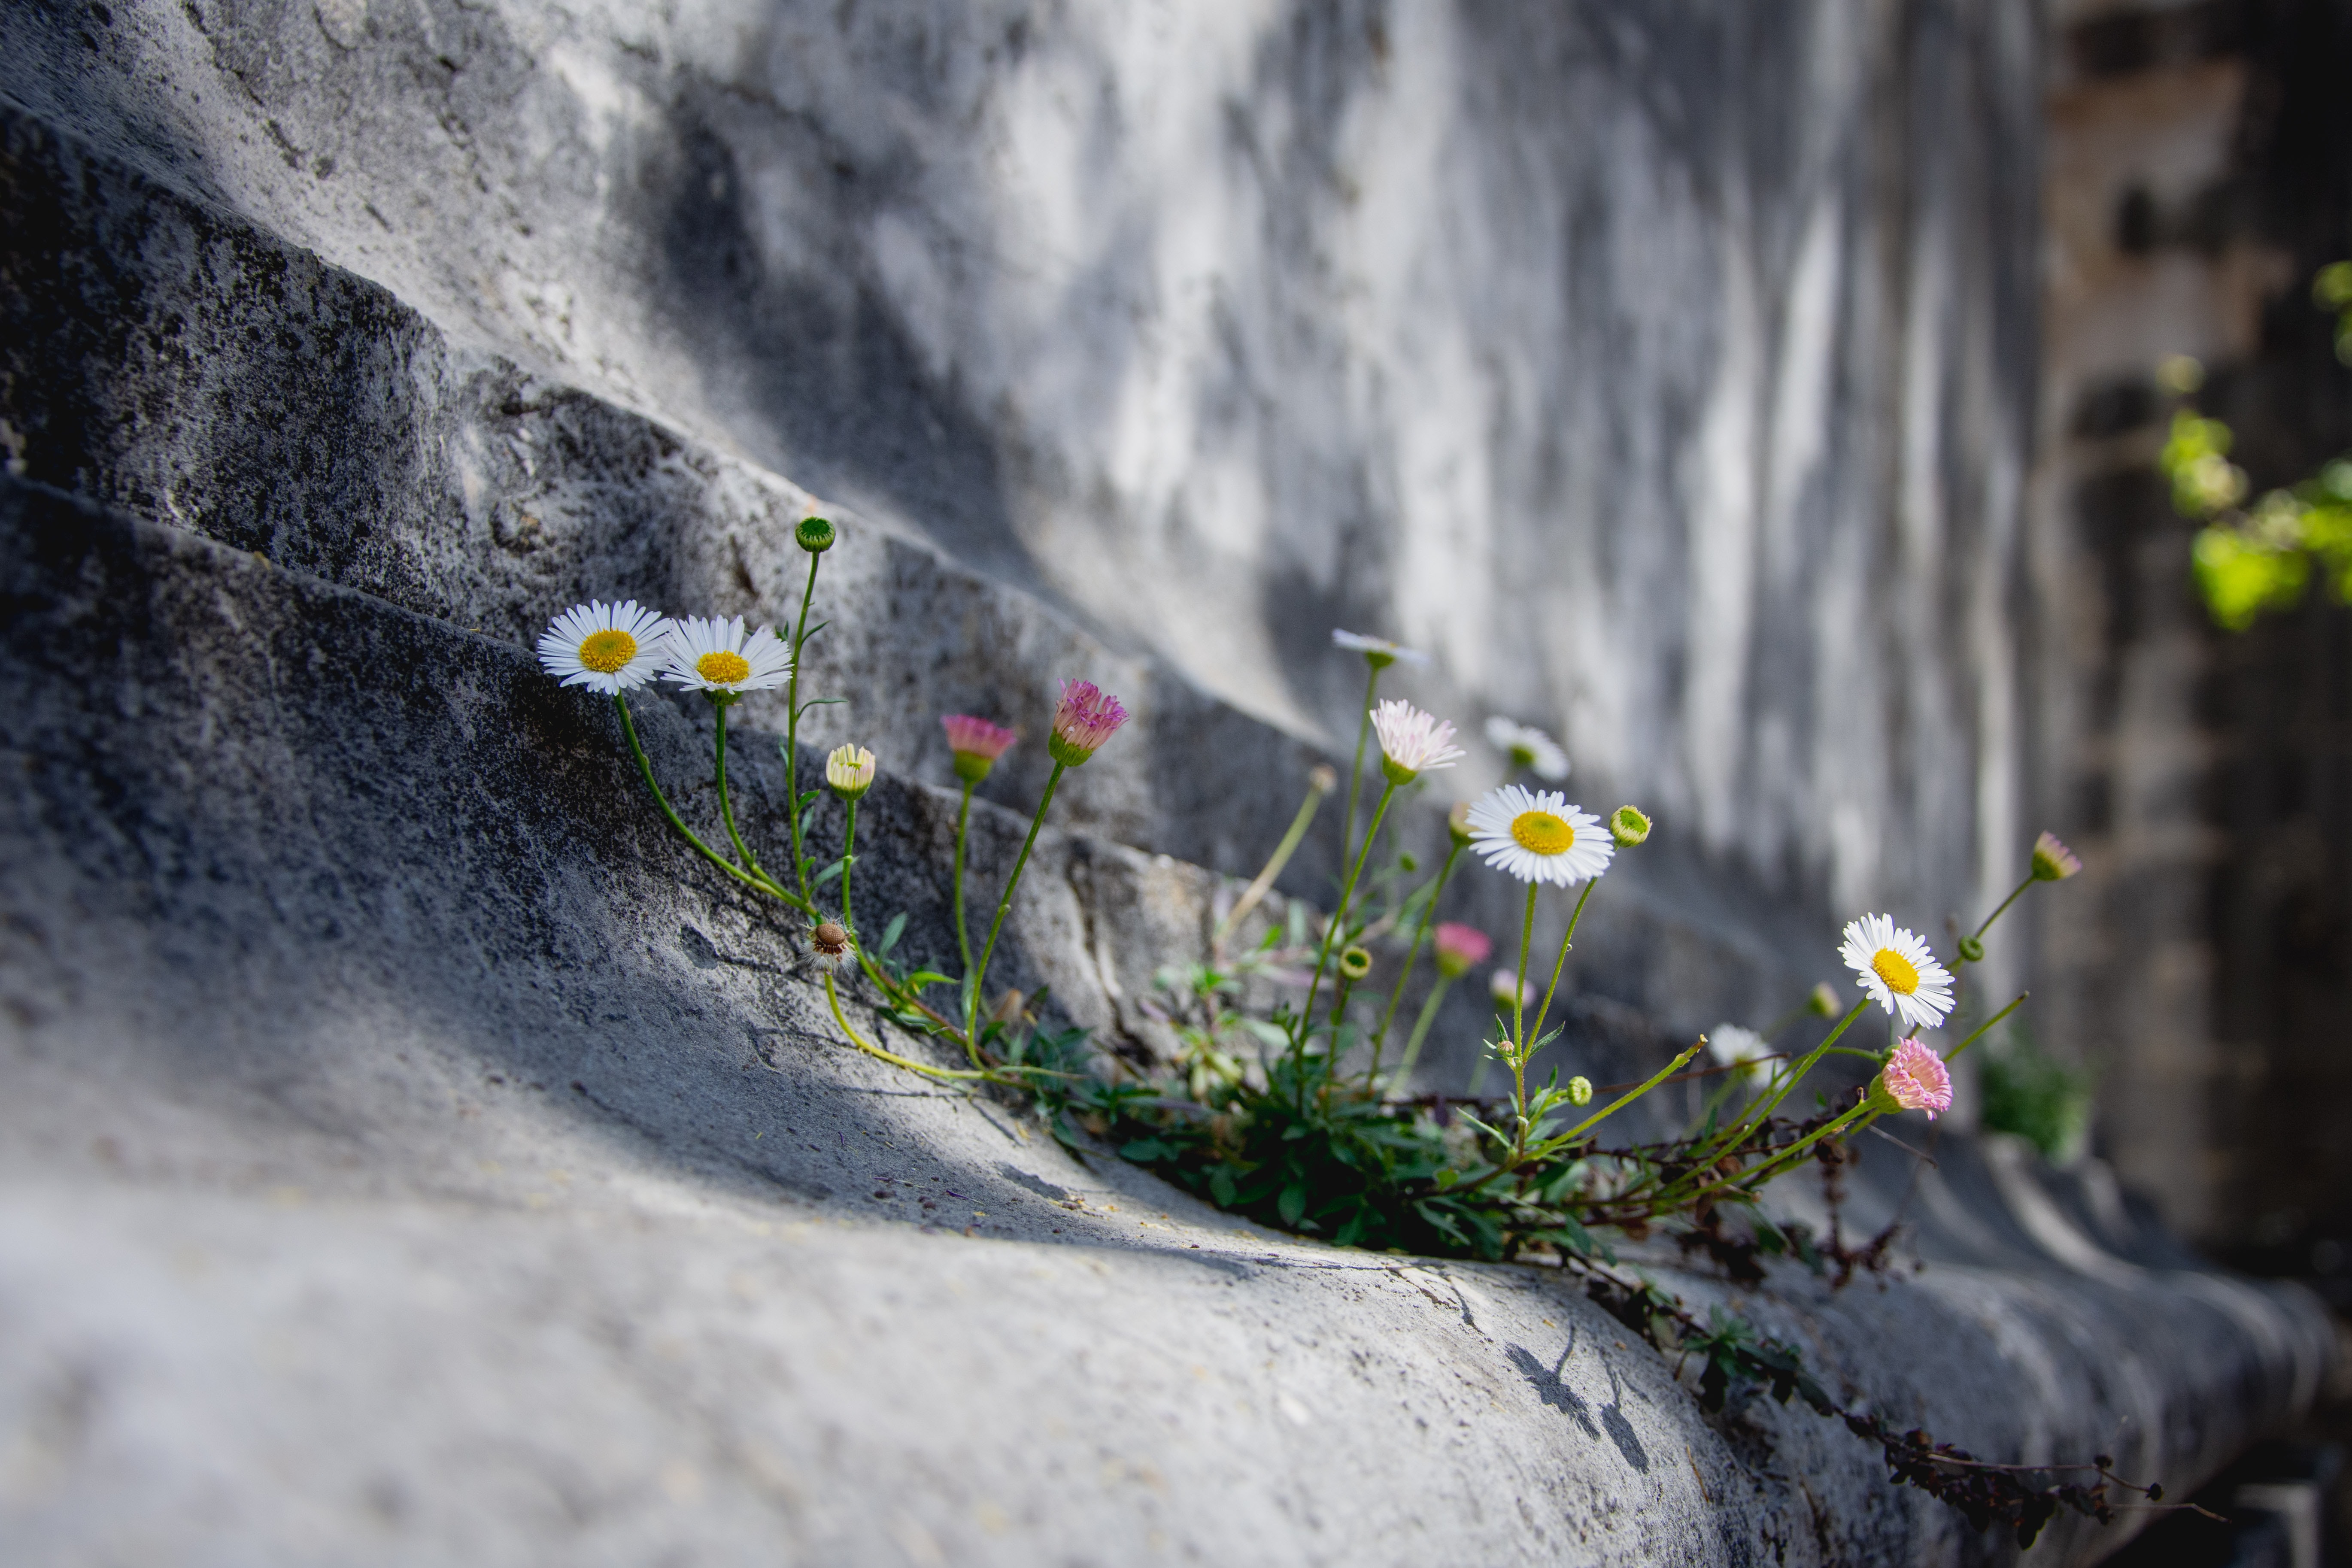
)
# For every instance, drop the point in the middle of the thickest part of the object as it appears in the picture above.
(2032, 1094)
(1282, 1101)
(2258, 560)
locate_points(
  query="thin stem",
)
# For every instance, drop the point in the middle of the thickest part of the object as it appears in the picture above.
(891, 1057)
(963, 823)
(976, 981)
(1987, 1025)
(1556, 963)
(1255, 892)
(2013, 897)
(726, 807)
(1784, 1161)
(1411, 957)
(848, 862)
(1339, 925)
(1420, 1029)
(645, 766)
(1766, 1103)
(1520, 1034)
(793, 735)
(1614, 1106)
(1356, 774)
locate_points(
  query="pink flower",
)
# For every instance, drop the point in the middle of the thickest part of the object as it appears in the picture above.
(1412, 742)
(977, 743)
(1082, 720)
(2052, 861)
(1915, 1078)
(1460, 949)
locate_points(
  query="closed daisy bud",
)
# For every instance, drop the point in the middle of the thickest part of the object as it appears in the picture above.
(1355, 963)
(850, 771)
(1084, 719)
(814, 534)
(1825, 1002)
(1323, 778)
(1916, 1079)
(1460, 949)
(1457, 823)
(977, 743)
(1579, 1090)
(2052, 861)
(1628, 826)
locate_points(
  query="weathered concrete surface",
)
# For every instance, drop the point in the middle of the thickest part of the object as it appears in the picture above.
(407, 1154)
(169, 359)
(1668, 370)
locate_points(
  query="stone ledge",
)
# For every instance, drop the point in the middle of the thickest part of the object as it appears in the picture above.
(407, 1153)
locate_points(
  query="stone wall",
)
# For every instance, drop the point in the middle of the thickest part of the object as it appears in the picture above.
(409, 1154)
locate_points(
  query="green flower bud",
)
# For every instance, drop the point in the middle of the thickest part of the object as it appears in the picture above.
(1628, 826)
(1579, 1090)
(1825, 1002)
(1971, 950)
(1355, 963)
(814, 534)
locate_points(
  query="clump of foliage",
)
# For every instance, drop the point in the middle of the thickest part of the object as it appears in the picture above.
(2032, 1094)
(2260, 559)
(1282, 1102)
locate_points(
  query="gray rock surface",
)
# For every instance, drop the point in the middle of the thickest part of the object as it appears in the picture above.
(1666, 369)
(408, 1153)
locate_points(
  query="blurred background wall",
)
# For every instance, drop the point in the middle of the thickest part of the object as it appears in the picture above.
(2200, 164)
(1760, 396)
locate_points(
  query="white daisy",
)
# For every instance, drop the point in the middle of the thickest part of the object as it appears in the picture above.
(1898, 971)
(1414, 742)
(715, 656)
(1539, 838)
(1736, 1048)
(1379, 650)
(607, 648)
(1529, 748)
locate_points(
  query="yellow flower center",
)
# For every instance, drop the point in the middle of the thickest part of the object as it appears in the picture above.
(607, 652)
(723, 669)
(1896, 971)
(1541, 833)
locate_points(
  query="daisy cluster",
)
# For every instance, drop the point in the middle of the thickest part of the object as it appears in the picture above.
(613, 649)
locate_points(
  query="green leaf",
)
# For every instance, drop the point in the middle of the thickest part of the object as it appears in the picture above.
(830, 872)
(1221, 1186)
(923, 977)
(1292, 1205)
(893, 932)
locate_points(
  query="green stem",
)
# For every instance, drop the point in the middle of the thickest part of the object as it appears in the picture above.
(891, 1057)
(645, 766)
(2013, 897)
(1987, 1025)
(848, 862)
(1766, 1104)
(793, 736)
(1356, 774)
(718, 705)
(1783, 1161)
(1412, 958)
(976, 981)
(1255, 892)
(1519, 1033)
(1622, 1100)
(1557, 963)
(1337, 928)
(1421, 1028)
(963, 822)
